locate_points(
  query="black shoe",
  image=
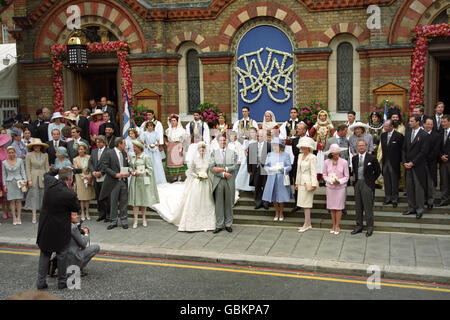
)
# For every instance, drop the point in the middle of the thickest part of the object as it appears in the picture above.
(229, 229)
(62, 286)
(387, 202)
(107, 220)
(217, 230)
(442, 204)
(111, 226)
(356, 231)
(258, 206)
(394, 204)
(295, 209)
(407, 213)
(369, 233)
(266, 206)
(419, 215)
(101, 218)
(125, 226)
(42, 287)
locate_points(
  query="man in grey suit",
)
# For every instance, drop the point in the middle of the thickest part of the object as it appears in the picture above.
(79, 253)
(115, 185)
(72, 145)
(339, 139)
(222, 164)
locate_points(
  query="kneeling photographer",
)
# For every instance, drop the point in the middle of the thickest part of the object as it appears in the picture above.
(80, 252)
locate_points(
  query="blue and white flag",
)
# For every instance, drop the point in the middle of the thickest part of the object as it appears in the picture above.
(126, 117)
(385, 111)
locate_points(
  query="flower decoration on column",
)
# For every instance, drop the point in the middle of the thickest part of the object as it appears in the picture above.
(58, 53)
(422, 34)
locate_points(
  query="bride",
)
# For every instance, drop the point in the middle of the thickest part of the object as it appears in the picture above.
(195, 210)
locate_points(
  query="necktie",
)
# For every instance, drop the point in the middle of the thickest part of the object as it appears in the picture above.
(413, 135)
(99, 154)
(56, 144)
(339, 141)
(439, 122)
(389, 137)
(445, 136)
(223, 155)
(360, 159)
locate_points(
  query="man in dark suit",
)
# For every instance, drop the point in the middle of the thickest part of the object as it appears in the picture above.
(107, 119)
(115, 185)
(256, 159)
(36, 123)
(72, 145)
(438, 114)
(53, 145)
(54, 224)
(444, 163)
(432, 158)
(81, 122)
(300, 133)
(414, 154)
(340, 139)
(95, 167)
(366, 170)
(106, 106)
(391, 147)
(42, 130)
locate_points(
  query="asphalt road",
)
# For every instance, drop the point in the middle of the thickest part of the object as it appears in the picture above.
(125, 278)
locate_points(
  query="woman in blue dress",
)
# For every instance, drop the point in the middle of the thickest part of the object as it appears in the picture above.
(151, 141)
(62, 158)
(278, 164)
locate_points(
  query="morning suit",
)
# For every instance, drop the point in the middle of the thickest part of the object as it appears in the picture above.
(51, 151)
(343, 144)
(437, 123)
(223, 188)
(256, 161)
(415, 152)
(83, 123)
(444, 167)
(95, 166)
(432, 158)
(79, 253)
(365, 188)
(42, 132)
(116, 189)
(391, 161)
(72, 150)
(54, 226)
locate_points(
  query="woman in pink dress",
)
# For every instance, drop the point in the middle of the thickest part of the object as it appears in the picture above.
(336, 175)
(94, 126)
(4, 139)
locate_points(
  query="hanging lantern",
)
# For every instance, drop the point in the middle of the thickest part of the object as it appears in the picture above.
(76, 52)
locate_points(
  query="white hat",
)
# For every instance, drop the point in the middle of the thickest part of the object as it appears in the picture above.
(358, 124)
(307, 142)
(56, 115)
(334, 148)
(97, 111)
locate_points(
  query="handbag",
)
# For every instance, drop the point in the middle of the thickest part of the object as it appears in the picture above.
(308, 186)
(287, 180)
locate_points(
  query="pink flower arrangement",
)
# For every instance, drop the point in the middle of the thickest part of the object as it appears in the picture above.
(210, 113)
(58, 52)
(308, 112)
(422, 34)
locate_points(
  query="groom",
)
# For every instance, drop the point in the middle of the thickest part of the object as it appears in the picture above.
(223, 163)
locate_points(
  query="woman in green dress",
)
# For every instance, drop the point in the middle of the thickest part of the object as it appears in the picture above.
(143, 192)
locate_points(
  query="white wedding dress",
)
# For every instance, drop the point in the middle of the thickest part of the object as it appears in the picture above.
(190, 204)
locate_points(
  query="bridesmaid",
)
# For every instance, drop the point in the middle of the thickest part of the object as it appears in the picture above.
(84, 188)
(143, 192)
(13, 171)
(336, 175)
(151, 142)
(175, 136)
(133, 134)
(278, 164)
(306, 182)
(36, 166)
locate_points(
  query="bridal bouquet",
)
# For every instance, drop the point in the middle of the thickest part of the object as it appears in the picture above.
(22, 184)
(202, 176)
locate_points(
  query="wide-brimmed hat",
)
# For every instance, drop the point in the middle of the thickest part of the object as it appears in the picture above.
(358, 125)
(56, 115)
(335, 148)
(307, 142)
(36, 142)
(97, 112)
(277, 141)
(110, 103)
(84, 144)
(138, 143)
(62, 151)
(70, 117)
(4, 139)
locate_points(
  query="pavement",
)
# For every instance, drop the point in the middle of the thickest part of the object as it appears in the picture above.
(399, 256)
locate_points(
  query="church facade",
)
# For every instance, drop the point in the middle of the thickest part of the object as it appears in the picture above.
(268, 55)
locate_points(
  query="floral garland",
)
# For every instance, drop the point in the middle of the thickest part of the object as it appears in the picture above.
(422, 35)
(58, 52)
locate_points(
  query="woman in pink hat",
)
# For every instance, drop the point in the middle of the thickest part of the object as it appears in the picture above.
(336, 175)
(4, 139)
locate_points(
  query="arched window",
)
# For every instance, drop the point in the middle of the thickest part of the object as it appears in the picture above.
(344, 77)
(193, 80)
